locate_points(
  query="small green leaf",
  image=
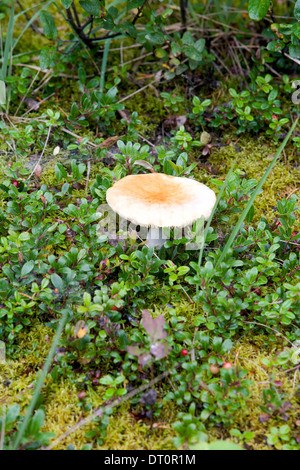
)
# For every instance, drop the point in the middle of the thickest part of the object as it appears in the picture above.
(258, 9)
(297, 10)
(36, 423)
(132, 4)
(91, 6)
(27, 268)
(48, 25)
(66, 3)
(294, 50)
(57, 282)
(24, 237)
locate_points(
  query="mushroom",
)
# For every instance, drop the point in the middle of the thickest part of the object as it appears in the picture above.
(157, 200)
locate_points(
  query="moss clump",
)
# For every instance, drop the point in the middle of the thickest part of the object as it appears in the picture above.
(253, 156)
(250, 355)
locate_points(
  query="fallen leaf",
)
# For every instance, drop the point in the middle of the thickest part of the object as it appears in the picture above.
(205, 138)
(109, 142)
(32, 104)
(145, 164)
(56, 150)
(81, 332)
(38, 171)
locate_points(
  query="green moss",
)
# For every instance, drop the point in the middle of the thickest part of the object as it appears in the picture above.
(253, 156)
(249, 354)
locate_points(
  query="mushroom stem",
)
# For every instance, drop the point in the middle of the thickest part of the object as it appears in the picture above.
(155, 237)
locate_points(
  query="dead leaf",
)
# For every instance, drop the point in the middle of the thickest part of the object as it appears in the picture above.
(33, 105)
(82, 332)
(205, 138)
(154, 326)
(145, 164)
(109, 142)
(124, 115)
(38, 171)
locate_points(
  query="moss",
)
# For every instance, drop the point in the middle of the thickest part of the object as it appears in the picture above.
(249, 355)
(253, 156)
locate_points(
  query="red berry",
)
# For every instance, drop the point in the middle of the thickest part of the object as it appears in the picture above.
(227, 365)
(15, 183)
(81, 395)
(184, 352)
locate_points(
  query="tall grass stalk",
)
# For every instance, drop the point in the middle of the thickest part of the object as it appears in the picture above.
(41, 379)
(8, 43)
(212, 214)
(104, 64)
(253, 197)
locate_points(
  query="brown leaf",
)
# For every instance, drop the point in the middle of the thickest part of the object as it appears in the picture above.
(124, 115)
(134, 350)
(38, 171)
(109, 142)
(80, 329)
(32, 104)
(154, 326)
(180, 120)
(145, 164)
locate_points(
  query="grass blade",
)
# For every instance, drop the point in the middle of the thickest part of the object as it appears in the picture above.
(211, 216)
(8, 43)
(32, 19)
(41, 378)
(104, 63)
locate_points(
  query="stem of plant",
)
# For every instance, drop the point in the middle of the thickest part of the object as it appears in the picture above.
(41, 379)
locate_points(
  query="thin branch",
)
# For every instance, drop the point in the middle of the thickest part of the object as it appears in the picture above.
(99, 412)
(41, 156)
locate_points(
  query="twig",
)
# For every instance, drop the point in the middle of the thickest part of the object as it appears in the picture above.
(40, 102)
(265, 326)
(146, 140)
(295, 376)
(254, 363)
(221, 62)
(7, 143)
(99, 412)
(88, 174)
(297, 61)
(137, 91)
(23, 98)
(78, 137)
(44, 81)
(193, 357)
(136, 59)
(41, 156)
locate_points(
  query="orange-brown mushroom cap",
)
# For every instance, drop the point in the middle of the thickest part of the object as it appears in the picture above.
(159, 200)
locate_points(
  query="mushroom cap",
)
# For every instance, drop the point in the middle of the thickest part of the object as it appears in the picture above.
(159, 200)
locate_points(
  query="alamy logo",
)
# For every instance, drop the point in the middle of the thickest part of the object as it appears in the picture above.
(296, 94)
(115, 227)
(2, 92)
(2, 353)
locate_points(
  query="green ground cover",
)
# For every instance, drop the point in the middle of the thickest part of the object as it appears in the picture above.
(106, 343)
